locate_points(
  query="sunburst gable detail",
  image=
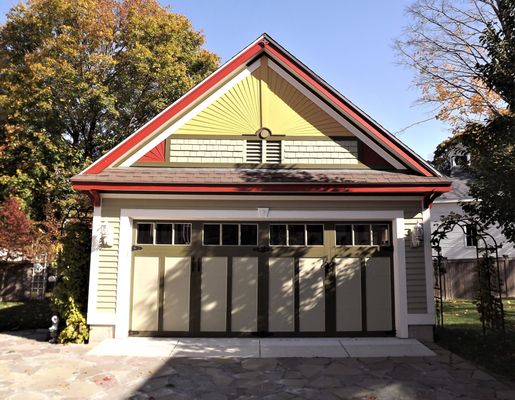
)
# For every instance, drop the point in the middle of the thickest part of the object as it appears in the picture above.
(157, 154)
(263, 99)
(236, 112)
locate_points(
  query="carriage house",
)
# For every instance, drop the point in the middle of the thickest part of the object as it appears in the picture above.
(262, 202)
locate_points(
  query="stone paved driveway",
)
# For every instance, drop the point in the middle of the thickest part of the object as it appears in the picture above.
(31, 369)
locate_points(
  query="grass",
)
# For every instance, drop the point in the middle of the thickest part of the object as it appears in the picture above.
(463, 335)
(15, 315)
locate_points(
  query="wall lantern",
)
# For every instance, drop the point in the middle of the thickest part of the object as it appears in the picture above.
(106, 235)
(417, 235)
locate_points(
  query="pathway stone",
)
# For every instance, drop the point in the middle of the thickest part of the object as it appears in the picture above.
(32, 370)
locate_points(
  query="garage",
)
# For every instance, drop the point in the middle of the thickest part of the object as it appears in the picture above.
(262, 279)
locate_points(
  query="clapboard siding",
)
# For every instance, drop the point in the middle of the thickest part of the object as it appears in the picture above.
(107, 270)
(415, 267)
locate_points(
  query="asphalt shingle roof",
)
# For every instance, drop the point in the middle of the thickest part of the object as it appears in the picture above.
(248, 176)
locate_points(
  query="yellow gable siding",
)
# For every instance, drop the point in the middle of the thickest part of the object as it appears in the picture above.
(293, 114)
(263, 99)
(236, 112)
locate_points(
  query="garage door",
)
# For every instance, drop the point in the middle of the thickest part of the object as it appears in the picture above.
(248, 278)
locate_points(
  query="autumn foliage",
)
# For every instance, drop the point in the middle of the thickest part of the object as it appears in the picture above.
(15, 230)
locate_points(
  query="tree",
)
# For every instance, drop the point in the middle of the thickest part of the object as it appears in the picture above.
(15, 230)
(443, 44)
(469, 49)
(78, 76)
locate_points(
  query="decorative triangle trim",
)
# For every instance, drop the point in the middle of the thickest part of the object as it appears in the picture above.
(157, 154)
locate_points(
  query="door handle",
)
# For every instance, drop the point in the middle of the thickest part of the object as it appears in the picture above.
(136, 248)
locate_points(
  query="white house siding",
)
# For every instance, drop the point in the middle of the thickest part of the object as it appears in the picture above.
(454, 246)
(108, 257)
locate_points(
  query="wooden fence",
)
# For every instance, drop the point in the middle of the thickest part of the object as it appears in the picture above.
(460, 279)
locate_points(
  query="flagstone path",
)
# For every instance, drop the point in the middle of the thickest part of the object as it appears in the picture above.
(31, 369)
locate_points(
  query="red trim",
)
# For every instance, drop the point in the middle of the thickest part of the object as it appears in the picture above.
(157, 154)
(261, 188)
(329, 94)
(198, 91)
(222, 73)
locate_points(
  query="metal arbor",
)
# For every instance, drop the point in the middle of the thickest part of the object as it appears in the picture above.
(489, 284)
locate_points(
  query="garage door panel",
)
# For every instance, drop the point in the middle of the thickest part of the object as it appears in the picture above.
(176, 299)
(281, 309)
(379, 294)
(244, 294)
(213, 290)
(311, 295)
(145, 294)
(348, 294)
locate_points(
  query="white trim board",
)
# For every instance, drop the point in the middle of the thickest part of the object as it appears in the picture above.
(92, 317)
(247, 197)
(192, 113)
(428, 261)
(127, 216)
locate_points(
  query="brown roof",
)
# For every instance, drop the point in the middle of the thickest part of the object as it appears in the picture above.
(249, 176)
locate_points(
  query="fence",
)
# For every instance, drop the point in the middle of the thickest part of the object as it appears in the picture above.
(460, 278)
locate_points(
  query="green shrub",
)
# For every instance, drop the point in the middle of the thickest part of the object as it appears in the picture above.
(70, 295)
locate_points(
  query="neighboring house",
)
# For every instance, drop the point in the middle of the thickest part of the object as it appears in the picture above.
(262, 202)
(459, 247)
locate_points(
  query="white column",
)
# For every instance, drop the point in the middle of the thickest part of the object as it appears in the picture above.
(399, 267)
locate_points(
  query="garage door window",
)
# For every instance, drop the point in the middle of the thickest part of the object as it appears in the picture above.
(296, 235)
(145, 234)
(230, 234)
(362, 235)
(163, 233)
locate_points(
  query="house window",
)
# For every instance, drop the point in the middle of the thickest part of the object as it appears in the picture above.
(163, 233)
(211, 234)
(470, 236)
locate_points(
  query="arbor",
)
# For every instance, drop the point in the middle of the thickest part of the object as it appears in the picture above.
(76, 77)
(469, 48)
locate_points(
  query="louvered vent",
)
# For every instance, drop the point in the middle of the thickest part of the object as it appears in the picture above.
(253, 151)
(273, 152)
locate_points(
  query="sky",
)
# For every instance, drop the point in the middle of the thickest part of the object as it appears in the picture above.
(346, 42)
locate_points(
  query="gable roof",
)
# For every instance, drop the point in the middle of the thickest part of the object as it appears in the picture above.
(375, 134)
